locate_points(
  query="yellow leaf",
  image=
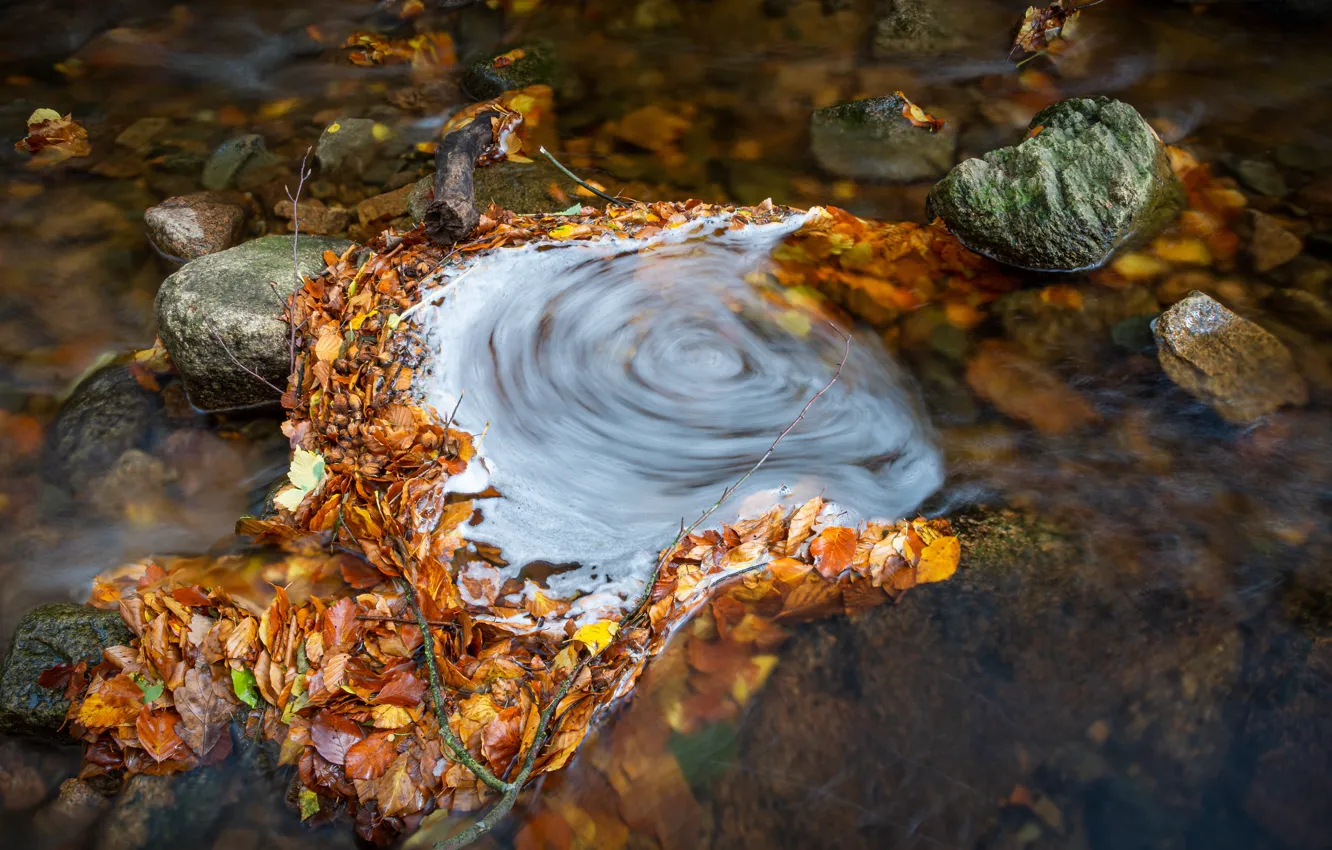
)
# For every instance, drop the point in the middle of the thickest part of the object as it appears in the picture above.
(597, 636)
(939, 560)
(329, 344)
(390, 716)
(381, 132)
(333, 128)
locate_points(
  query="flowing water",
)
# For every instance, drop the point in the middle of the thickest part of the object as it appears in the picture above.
(628, 384)
(1137, 650)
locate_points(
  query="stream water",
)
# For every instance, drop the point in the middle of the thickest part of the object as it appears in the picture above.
(1137, 650)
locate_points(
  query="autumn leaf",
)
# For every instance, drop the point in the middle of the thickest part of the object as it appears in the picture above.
(1042, 27)
(833, 550)
(918, 116)
(333, 735)
(55, 138)
(340, 625)
(802, 522)
(597, 636)
(405, 690)
(205, 711)
(370, 758)
(395, 790)
(939, 560)
(306, 474)
(309, 802)
(116, 702)
(157, 733)
(502, 737)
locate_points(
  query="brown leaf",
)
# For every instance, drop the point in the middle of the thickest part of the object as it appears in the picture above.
(406, 690)
(333, 734)
(802, 521)
(205, 710)
(397, 793)
(369, 759)
(157, 733)
(329, 343)
(833, 550)
(502, 736)
(1024, 389)
(341, 627)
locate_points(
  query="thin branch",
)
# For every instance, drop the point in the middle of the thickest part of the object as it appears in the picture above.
(643, 600)
(581, 182)
(437, 697)
(452, 413)
(253, 374)
(303, 175)
(405, 621)
(509, 797)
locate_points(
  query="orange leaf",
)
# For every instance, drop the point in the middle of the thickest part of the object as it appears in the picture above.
(370, 758)
(333, 735)
(157, 733)
(115, 703)
(939, 560)
(833, 550)
(329, 345)
(502, 737)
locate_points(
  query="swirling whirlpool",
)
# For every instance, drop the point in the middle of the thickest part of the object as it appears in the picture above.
(623, 385)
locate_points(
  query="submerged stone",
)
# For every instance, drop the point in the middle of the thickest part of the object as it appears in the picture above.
(521, 187)
(220, 312)
(57, 633)
(346, 149)
(525, 65)
(234, 156)
(189, 226)
(1090, 177)
(1227, 361)
(872, 140)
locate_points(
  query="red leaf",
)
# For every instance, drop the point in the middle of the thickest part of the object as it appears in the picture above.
(57, 676)
(191, 597)
(157, 733)
(406, 690)
(340, 624)
(371, 757)
(833, 550)
(334, 734)
(502, 737)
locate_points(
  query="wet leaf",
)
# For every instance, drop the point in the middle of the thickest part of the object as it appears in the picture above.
(116, 702)
(405, 690)
(205, 711)
(309, 801)
(370, 758)
(151, 690)
(833, 550)
(157, 733)
(597, 636)
(333, 734)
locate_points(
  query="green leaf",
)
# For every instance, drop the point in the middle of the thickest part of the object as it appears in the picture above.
(40, 115)
(309, 804)
(245, 686)
(151, 690)
(573, 210)
(307, 469)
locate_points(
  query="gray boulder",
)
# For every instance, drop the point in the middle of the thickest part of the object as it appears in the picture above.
(912, 27)
(221, 309)
(346, 149)
(58, 633)
(1239, 369)
(189, 226)
(872, 140)
(1090, 177)
(108, 415)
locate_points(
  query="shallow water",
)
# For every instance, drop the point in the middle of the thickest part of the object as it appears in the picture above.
(1153, 672)
(627, 384)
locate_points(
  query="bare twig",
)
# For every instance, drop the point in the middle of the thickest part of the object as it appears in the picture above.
(643, 600)
(226, 348)
(509, 797)
(303, 175)
(581, 182)
(454, 412)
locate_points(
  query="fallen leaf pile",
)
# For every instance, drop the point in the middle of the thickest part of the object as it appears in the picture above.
(1045, 30)
(54, 138)
(330, 664)
(427, 53)
(879, 271)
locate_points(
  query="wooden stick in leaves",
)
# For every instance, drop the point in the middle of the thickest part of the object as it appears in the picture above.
(452, 215)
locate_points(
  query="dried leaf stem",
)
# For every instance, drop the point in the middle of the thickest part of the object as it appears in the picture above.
(643, 600)
(581, 182)
(302, 175)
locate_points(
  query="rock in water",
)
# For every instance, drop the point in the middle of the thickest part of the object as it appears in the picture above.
(222, 308)
(872, 140)
(1091, 176)
(1234, 365)
(189, 226)
(58, 633)
(346, 149)
(523, 66)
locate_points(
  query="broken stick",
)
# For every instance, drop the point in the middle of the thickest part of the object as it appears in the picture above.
(452, 215)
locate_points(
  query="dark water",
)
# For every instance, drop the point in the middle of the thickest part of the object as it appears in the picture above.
(1136, 651)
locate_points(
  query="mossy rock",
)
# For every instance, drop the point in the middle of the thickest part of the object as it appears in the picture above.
(1091, 177)
(58, 633)
(537, 65)
(521, 187)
